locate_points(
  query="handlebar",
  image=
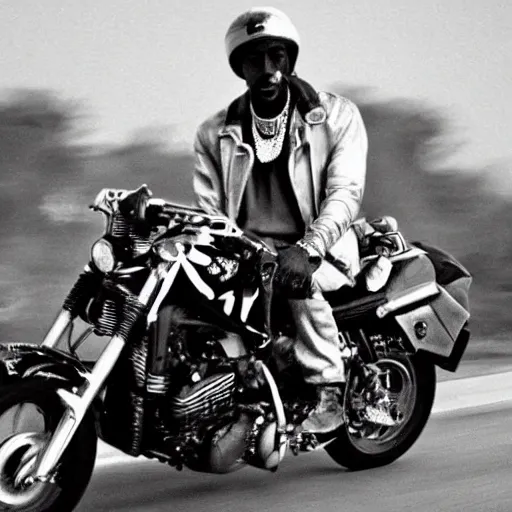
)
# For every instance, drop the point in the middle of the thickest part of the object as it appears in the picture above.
(163, 212)
(140, 206)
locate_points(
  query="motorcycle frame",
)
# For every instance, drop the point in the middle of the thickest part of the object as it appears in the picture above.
(78, 401)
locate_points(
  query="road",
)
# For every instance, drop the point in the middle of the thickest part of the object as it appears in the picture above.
(462, 462)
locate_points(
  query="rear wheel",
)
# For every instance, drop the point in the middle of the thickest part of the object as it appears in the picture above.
(381, 428)
(29, 414)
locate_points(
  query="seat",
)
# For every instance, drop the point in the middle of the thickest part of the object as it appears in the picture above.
(353, 303)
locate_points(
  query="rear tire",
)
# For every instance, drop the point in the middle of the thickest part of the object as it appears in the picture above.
(76, 465)
(348, 452)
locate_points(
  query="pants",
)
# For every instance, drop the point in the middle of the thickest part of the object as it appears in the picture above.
(318, 348)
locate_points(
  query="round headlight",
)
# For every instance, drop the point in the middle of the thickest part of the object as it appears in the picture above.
(102, 254)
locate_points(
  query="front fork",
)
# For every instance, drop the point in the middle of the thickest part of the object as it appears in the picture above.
(77, 403)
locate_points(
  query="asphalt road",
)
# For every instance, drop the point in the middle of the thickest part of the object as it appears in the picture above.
(462, 462)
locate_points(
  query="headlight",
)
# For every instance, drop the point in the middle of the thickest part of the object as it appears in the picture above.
(102, 254)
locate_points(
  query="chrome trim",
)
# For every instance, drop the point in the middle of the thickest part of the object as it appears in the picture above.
(157, 384)
(24, 490)
(77, 406)
(58, 328)
(233, 345)
(416, 294)
(281, 439)
(127, 271)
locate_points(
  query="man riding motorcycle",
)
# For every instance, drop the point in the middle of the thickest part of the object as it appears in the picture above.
(288, 164)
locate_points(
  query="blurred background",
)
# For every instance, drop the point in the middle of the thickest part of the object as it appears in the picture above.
(96, 94)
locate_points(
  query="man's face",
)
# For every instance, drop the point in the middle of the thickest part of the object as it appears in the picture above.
(263, 66)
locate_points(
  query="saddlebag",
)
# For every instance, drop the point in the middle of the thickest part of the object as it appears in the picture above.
(440, 327)
(427, 294)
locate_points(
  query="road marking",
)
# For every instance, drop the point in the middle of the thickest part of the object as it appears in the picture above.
(451, 395)
(118, 458)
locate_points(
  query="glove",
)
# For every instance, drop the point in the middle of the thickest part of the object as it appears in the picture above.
(295, 270)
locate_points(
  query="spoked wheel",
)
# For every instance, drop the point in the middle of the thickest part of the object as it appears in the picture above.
(386, 418)
(29, 414)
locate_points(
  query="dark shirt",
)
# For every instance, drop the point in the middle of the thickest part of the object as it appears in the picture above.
(269, 207)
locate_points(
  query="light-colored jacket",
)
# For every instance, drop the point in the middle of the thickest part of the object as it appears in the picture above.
(327, 166)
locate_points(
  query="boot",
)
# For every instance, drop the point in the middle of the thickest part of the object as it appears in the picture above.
(328, 414)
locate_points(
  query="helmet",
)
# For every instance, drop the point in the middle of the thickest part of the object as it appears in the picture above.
(260, 23)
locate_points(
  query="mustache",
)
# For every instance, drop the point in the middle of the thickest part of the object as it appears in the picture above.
(276, 79)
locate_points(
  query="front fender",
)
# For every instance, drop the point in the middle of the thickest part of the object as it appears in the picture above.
(23, 360)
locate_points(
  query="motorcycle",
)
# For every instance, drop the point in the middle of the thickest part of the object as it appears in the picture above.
(197, 367)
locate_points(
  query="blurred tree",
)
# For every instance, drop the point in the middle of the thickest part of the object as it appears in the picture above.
(38, 109)
(148, 157)
(37, 157)
(36, 131)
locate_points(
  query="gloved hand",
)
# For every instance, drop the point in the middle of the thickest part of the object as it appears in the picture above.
(295, 270)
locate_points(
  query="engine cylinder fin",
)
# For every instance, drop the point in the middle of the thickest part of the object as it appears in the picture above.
(204, 389)
(158, 384)
(207, 398)
(212, 402)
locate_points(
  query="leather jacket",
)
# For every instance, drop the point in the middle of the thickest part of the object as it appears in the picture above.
(327, 165)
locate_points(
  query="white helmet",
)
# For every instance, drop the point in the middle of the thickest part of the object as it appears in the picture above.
(261, 23)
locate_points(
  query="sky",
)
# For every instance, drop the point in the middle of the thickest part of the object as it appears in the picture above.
(153, 63)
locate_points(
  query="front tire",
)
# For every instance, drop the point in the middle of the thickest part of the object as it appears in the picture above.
(356, 452)
(29, 413)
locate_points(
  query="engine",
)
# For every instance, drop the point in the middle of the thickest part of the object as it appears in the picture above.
(209, 398)
(221, 415)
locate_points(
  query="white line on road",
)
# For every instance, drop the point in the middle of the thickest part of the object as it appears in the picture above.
(451, 395)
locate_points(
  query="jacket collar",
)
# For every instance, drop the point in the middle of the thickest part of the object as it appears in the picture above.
(237, 110)
(232, 125)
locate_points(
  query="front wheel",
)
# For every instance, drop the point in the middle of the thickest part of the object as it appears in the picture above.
(29, 414)
(407, 391)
